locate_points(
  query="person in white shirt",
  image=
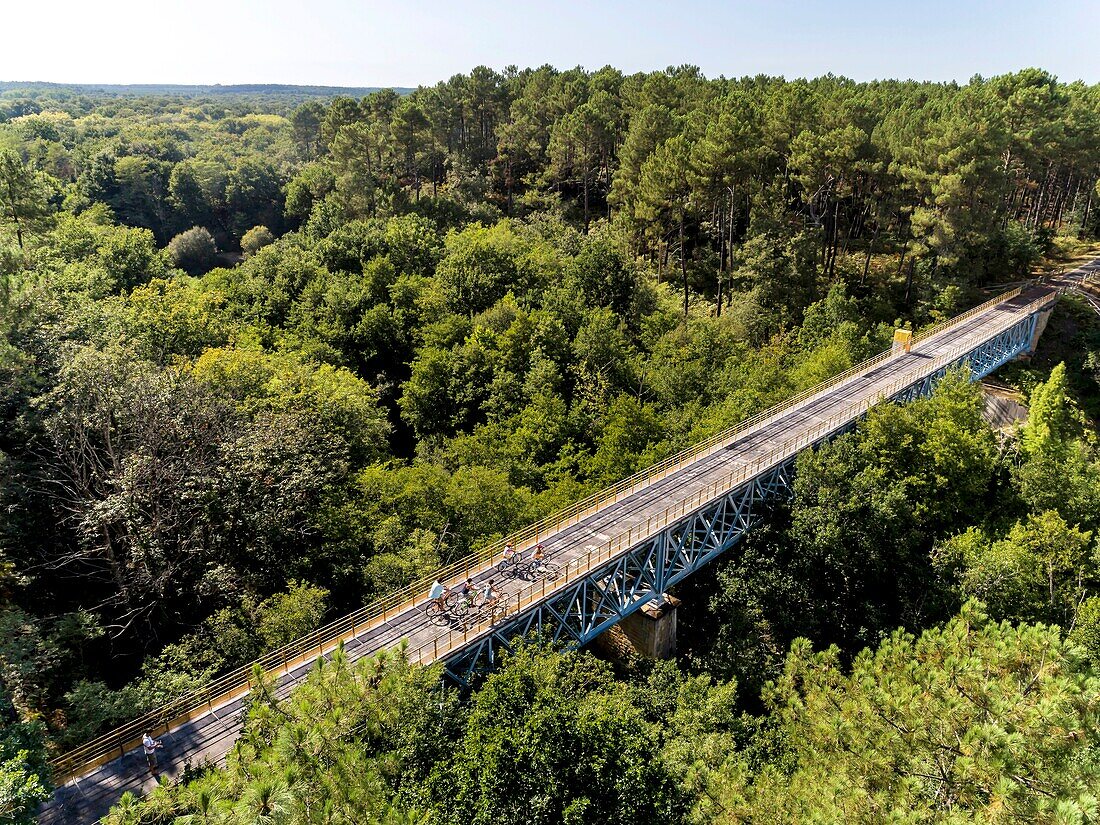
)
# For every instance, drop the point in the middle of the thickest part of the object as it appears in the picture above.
(437, 593)
(489, 595)
(150, 746)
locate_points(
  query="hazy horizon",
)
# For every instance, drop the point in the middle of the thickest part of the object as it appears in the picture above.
(342, 43)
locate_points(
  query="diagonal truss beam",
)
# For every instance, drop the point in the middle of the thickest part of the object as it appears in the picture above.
(584, 608)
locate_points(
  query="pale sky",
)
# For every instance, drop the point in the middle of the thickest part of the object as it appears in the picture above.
(409, 43)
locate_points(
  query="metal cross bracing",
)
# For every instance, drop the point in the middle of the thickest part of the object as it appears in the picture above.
(984, 359)
(577, 613)
(616, 550)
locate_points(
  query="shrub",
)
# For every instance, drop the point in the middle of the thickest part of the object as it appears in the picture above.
(256, 239)
(193, 251)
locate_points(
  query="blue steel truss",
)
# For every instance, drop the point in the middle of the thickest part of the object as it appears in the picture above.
(583, 609)
(982, 360)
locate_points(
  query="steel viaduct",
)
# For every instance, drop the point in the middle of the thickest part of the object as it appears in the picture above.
(615, 551)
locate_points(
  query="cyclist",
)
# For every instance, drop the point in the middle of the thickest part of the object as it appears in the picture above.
(509, 553)
(489, 595)
(537, 559)
(438, 593)
(467, 592)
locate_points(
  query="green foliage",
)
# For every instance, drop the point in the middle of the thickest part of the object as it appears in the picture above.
(24, 196)
(89, 254)
(850, 558)
(629, 431)
(256, 239)
(1086, 633)
(339, 748)
(228, 638)
(1058, 470)
(777, 266)
(480, 265)
(874, 502)
(24, 775)
(259, 382)
(1041, 571)
(552, 738)
(974, 722)
(487, 299)
(193, 251)
(167, 319)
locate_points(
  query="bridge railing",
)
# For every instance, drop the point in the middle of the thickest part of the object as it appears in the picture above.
(235, 683)
(452, 639)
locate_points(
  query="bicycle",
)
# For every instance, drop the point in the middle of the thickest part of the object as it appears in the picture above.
(495, 608)
(451, 605)
(459, 604)
(542, 570)
(436, 612)
(511, 568)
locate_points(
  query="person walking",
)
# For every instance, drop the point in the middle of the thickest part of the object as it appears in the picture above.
(151, 746)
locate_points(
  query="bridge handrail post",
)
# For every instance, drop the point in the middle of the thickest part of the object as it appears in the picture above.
(381, 609)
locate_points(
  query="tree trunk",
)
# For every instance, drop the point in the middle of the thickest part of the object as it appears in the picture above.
(834, 243)
(15, 214)
(586, 200)
(867, 260)
(683, 266)
(1041, 197)
(721, 255)
(729, 246)
(508, 182)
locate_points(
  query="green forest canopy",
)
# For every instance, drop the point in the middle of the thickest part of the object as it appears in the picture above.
(264, 358)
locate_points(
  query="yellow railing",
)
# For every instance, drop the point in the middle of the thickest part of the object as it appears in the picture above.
(237, 682)
(450, 640)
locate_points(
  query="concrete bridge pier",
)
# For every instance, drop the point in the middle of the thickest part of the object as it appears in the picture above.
(1041, 319)
(676, 517)
(649, 632)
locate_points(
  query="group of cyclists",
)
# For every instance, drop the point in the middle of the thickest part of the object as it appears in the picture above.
(513, 558)
(486, 597)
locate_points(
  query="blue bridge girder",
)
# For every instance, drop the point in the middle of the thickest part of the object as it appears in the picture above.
(618, 550)
(583, 609)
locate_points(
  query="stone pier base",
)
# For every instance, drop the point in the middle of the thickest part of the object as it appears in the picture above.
(648, 632)
(1040, 325)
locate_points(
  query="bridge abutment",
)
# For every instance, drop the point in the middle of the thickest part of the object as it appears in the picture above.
(1041, 319)
(649, 631)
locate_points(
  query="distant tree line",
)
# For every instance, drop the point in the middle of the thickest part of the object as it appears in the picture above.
(262, 361)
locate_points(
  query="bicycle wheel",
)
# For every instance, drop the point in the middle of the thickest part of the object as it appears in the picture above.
(460, 607)
(508, 569)
(435, 612)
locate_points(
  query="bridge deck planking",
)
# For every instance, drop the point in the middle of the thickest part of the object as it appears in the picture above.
(210, 736)
(789, 425)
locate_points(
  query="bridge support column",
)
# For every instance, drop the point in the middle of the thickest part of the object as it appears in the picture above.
(1041, 319)
(649, 631)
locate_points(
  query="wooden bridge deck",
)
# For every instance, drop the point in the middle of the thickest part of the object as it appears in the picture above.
(211, 734)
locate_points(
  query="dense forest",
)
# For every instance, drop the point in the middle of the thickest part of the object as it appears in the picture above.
(265, 357)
